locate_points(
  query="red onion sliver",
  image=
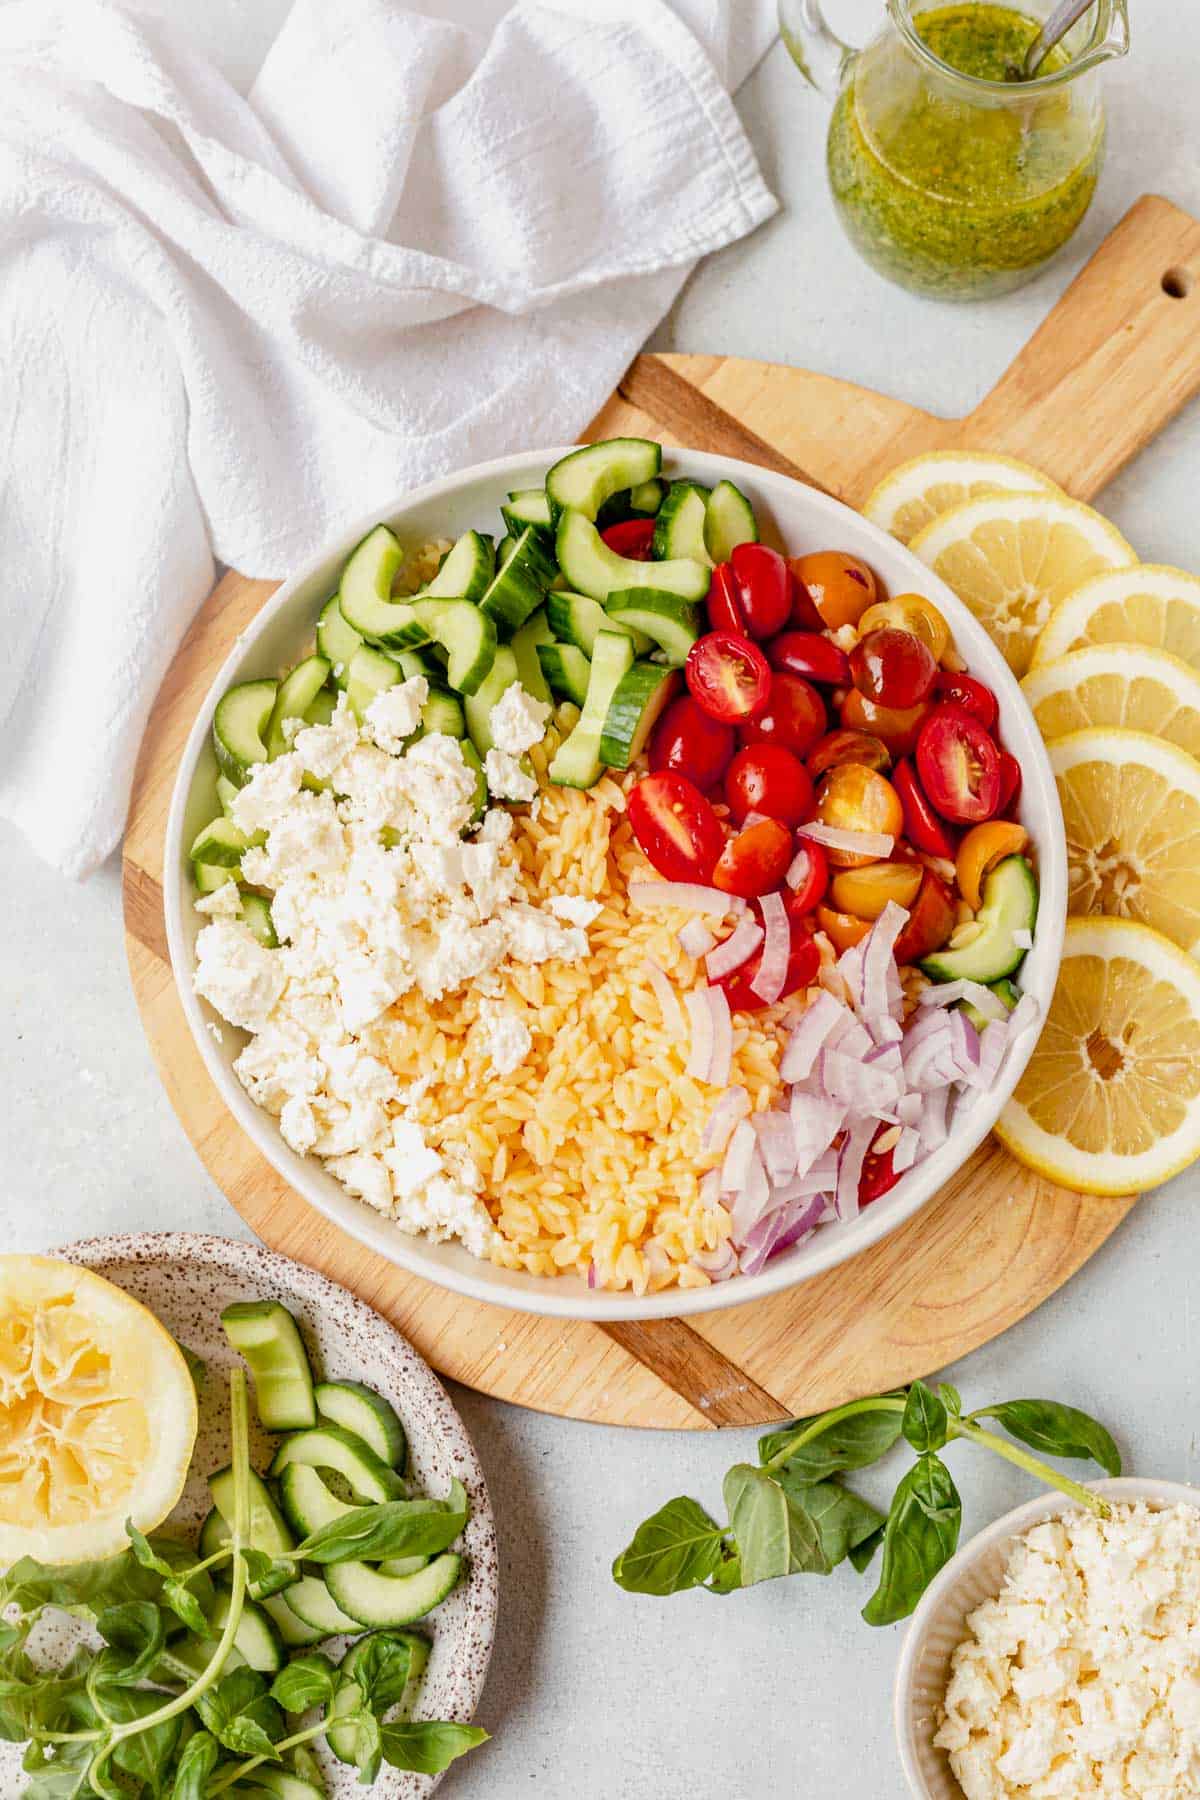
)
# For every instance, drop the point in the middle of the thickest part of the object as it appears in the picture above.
(668, 999)
(696, 939)
(700, 1055)
(738, 1156)
(834, 837)
(905, 1153)
(777, 1141)
(771, 976)
(1023, 939)
(722, 1021)
(686, 895)
(879, 996)
(718, 1264)
(809, 1036)
(798, 869)
(860, 1087)
(733, 1105)
(1025, 1013)
(850, 1163)
(753, 1201)
(741, 943)
(946, 993)
(933, 1118)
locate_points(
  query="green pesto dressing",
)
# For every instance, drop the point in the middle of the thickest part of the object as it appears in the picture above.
(948, 191)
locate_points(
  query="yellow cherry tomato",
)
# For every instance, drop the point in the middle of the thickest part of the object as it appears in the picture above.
(837, 585)
(866, 891)
(853, 797)
(982, 848)
(841, 929)
(910, 612)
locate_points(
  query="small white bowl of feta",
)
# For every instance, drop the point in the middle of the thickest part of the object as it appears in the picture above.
(1058, 1653)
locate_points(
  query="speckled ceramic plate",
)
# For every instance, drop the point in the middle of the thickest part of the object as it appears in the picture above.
(186, 1279)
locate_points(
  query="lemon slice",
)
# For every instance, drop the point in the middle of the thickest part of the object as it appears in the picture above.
(1012, 557)
(97, 1414)
(1109, 1102)
(1131, 808)
(913, 495)
(1151, 604)
(1125, 685)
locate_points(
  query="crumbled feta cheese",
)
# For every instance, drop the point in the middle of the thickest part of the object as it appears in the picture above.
(267, 795)
(365, 1175)
(574, 908)
(410, 1159)
(395, 714)
(496, 828)
(441, 786)
(224, 902)
(322, 748)
(298, 1123)
(458, 956)
(507, 1040)
(518, 721)
(306, 840)
(506, 779)
(533, 937)
(236, 974)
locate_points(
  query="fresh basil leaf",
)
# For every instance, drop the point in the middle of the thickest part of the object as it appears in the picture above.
(105, 1782)
(367, 1747)
(186, 1607)
(306, 1767)
(1056, 1430)
(146, 1755)
(145, 1553)
(851, 1443)
(11, 1636)
(677, 1547)
(429, 1747)
(382, 1669)
(773, 1531)
(925, 1422)
(135, 1632)
(950, 1398)
(306, 1681)
(920, 1538)
(843, 1519)
(860, 1556)
(393, 1528)
(727, 1576)
(83, 1588)
(63, 1777)
(201, 1755)
(241, 1714)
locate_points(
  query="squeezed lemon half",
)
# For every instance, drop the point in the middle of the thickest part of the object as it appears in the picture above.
(97, 1414)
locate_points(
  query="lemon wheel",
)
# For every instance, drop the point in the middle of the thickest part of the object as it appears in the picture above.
(97, 1414)
(1151, 604)
(1124, 685)
(913, 495)
(1109, 1102)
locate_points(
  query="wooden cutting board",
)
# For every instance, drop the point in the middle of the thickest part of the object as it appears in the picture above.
(1115, 360)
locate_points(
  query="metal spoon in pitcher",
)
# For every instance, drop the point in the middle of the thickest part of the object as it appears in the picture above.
(1068, 13)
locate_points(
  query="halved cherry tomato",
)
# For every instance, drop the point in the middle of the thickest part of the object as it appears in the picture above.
(910, 612)
(922, 827)
(809, 654)
(842, 929)
(633, 538)
(865, 892)
(838, 586)
(676, 827)
(766, 778)
(852, 797)
(811, 879)
(687, 739)
(982, 848)
(725, 611)
(877, 1176)
(847, 746)
(894, 726)
(1010, 782)
(805, 616)
(930, 921)
(893, 668)
(804, 960)
(955, 689)
(764, 587)
(794, 715)
(959, 766)
(728, 677)
(755, 861)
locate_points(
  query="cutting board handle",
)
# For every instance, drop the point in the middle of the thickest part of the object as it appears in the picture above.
(1117, 358)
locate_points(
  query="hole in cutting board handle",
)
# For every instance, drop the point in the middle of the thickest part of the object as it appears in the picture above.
(1178, 283)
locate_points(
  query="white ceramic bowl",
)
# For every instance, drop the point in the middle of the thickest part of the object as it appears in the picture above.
(939, 1624)
(798, 518)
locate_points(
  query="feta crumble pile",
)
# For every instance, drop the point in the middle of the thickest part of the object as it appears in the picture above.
(1083, 1676)
(376, 891)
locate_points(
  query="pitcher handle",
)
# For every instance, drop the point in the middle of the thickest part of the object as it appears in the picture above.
(817, 52)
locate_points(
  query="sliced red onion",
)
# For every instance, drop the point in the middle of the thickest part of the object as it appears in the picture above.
(946, 993)
(905, 1153)
(753, 1201)
(798, 869)
(1025, 1013)
(834, 837)
(880, 985)
(909, 1108)
(850, 1162)
(722, 1020)
(1023, 939)
(807, 1039)
(771, 977)
(718, 1264)
(733, 1105)
(696, 939)
(819, 1180)
(776, 1231)
(700, 1055)
(736, 1167)
(925, 1057)
(591, 1275)
(777, 1142)
(688, 896)
(992, 1047)
(742, 942)
(965, 1040)
(933, 1118)
(816, 1121)
(848, 1037)
(860, 1087)
(710, 1190)
(668, 999)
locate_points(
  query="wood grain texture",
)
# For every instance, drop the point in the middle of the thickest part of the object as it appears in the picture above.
(1115, 360)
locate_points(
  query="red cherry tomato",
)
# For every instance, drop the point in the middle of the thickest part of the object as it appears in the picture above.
(894, 726)
(893, 668)
(847, 746)
(922, 827)
(676, 827)
(811, 879)
(766, 778)
(930, 921)
(1010, 783)
(954, 689)
(632, 538)
(725, 610)
(877, 1176)
(755, 861)
(794, 716)
(959, 766)
(686, 739)
(809, 654)
(804, 960)
(764, 587)
(728, 676)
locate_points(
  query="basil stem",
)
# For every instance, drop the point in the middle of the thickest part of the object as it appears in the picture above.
(1032, 1466)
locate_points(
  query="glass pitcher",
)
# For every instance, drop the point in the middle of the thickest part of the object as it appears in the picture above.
(954, 184)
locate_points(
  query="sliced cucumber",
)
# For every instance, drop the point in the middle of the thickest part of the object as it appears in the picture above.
(526, 506)
(1004, 991)
(374, 1599)
(402, 1565)
(370, 673)
(257, 1637)
(307, 1500)
(342, 1740)
(728, 521)
(519, 588)
(214, 1534)
(679, 526)
(466, 633)
(256, 913)
(505, 548)
(577, 762)
(634, 710)
(576, 618)
(536, 630)
(227, 792)
(208, 877)
(365, 596)
(267, 1336)
(329, 1447)
(647, 497)
(1010, 902)
(311, 1601)
(443, 712)
(239, 724)
(473, 760)
(267, 1783)
(592, 568)
(297, 692)
(220, 845)
(567, 670)
(671, 623)
(185, 1659)
(360, 1409)
(584, 480)
(478, 706)
(268, 1530)
(293, 1630)
(322, 709)
(466, 570)
(337, 641)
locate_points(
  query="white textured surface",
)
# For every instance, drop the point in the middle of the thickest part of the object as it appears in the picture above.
(594, 1693)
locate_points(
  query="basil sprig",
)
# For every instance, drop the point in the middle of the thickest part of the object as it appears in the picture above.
(793, 1514)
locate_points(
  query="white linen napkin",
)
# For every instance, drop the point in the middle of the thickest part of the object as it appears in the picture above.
(228, 324)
